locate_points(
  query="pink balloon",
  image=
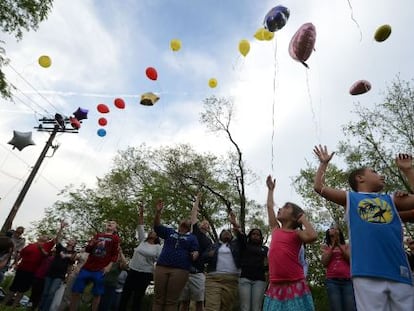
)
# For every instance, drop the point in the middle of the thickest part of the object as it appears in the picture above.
(302, 43)
(102, 108)
(119, 103)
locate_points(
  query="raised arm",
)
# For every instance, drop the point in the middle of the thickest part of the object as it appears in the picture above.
(159, 206)
(140, 235)
(233, 221)
(334, 195)
(271, 184)
(404, 163)
(307, 235)
(194, 210)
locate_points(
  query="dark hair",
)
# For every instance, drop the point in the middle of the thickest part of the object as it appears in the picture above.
(251, 232)
(156, 240)
(224, 230)
(296, 212)
(328, 237)
(6, 244)
(352, 178)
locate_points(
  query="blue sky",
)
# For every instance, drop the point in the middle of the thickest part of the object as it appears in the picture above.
(100, 50)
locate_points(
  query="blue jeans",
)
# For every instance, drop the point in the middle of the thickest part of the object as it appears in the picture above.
(49, 291)
(341, 295)
(251, 294)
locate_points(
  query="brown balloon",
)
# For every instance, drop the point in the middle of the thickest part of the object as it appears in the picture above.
(360, 87)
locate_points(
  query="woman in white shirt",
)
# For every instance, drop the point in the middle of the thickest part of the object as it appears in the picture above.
(141, 267)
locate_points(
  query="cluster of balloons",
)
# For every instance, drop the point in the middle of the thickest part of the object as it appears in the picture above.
(104, 109)
(79, 115)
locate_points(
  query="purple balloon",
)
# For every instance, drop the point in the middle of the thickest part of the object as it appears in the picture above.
(81, 113)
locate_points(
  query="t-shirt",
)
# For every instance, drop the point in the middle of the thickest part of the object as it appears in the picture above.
(284, 265)
(177, 248)
(61, 262)
(31, 255)
(338, 267)
(102, 249)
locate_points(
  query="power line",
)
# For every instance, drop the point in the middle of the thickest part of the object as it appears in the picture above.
(28, 83)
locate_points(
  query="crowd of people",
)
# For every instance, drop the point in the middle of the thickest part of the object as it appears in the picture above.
(372, 271)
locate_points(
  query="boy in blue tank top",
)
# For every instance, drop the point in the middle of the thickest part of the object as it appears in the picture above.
(379, 267)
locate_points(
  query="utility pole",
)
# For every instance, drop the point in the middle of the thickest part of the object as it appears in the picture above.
(53, 126)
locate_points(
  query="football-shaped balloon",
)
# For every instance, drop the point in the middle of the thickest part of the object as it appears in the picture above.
(360, 87)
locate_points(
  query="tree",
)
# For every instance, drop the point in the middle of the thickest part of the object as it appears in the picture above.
(217, 117)
(143, 174)
(17, 16)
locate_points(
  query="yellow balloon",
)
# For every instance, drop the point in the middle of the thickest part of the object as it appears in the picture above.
(268, 35)
(382, 33)
(244, 47)
(212, 83)
(260, 34)
(45, 61)
(175, 45)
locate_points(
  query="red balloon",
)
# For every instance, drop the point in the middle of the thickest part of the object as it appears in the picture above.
(360, 87)
(302, 43)
(75, 123)
(151, 73)
(119, 103)
(102, 122)
(102, 108)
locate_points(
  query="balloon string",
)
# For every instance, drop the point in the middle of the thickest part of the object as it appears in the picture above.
(314, 119)
(273, 107)
(354, 20)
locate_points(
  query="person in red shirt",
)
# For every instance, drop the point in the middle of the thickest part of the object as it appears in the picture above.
(103, 251)
(30, 257)
(335, 258)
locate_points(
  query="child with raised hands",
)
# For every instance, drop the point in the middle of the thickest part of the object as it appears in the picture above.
(287, 289)
(379, 268)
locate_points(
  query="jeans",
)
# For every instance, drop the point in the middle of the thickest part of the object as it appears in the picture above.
(108, 299)
(341, 295)
(49, 290)
(251, 294)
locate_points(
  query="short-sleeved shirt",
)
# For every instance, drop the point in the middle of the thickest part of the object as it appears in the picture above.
(31, 255)
(103, 252)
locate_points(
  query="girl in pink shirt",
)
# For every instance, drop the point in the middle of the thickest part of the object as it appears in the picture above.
(287, 285)
(335, 257)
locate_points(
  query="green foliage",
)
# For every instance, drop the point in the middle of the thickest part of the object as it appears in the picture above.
(17, 16)
(142, 174)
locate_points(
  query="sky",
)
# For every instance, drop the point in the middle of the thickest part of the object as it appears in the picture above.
(101, 49)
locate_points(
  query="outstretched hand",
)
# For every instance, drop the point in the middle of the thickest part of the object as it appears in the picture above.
(322, 153)
(404, 161)
(271, 183)
(159, 205)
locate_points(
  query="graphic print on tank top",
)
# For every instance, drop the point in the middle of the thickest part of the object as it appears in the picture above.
(375, 211)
